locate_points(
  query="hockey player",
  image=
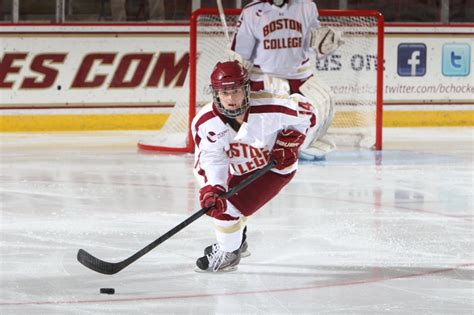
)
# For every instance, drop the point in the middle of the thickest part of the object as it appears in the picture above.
(235, 135)
(274, 41)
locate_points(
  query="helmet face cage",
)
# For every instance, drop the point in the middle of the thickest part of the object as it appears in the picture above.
(235, 112)
(230, 75)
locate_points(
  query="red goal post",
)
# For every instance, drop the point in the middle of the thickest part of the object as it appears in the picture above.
(353, 73)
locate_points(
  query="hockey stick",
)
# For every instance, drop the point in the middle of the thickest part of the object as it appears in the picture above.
(223, 21)
(110, 268)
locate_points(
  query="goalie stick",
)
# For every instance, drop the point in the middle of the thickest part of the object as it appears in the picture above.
(220, 7)
(110, 268)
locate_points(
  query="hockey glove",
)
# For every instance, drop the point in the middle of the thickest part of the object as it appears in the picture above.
(210, 196)
(285, 150)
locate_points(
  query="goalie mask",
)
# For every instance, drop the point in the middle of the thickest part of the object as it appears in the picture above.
(230, 78)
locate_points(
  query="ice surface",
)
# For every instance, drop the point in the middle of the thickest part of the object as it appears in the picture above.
(360, 233)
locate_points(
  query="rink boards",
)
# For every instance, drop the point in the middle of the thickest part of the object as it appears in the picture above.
(129, 77)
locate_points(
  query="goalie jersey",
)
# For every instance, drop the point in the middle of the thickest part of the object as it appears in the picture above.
(220, 150)
(275, 39)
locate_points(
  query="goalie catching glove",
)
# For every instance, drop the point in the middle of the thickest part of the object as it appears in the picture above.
(210, 196)
(325, 41)
(285, 151)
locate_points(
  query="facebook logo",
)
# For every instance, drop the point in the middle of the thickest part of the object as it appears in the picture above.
(456, 60)
(411, 60)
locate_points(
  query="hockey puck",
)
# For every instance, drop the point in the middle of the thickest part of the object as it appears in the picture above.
(107, 290)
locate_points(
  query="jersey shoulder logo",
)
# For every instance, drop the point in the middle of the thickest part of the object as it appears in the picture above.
(211, 136)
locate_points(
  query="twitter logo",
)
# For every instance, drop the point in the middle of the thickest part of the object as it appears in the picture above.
(456, 60)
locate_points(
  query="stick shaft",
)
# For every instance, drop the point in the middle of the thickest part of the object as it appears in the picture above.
(104, 267)
(223, 21)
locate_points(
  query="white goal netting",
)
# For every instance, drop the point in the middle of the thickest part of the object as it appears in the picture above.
(352, 73)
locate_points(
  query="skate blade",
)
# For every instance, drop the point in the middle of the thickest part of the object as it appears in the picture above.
(224, 270)
(245, 254)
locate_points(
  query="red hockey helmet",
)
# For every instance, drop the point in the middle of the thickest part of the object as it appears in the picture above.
(230, 75)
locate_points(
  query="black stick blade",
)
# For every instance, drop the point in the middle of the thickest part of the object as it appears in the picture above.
(96, 264)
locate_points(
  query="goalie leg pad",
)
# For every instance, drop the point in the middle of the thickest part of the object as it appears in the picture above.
(316, 144)
(323, 103)
(274, 83)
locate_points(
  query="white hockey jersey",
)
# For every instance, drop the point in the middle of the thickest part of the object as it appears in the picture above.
(221, 151)
(276, 40)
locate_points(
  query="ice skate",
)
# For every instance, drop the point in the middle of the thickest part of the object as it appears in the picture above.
(218, 261)
(244, 252)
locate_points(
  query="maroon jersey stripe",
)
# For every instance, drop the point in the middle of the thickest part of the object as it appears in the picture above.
(197, 140)
(251, 4)
(200, 172)
(201, 120)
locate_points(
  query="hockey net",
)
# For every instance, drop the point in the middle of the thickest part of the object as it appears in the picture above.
(354, 73)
